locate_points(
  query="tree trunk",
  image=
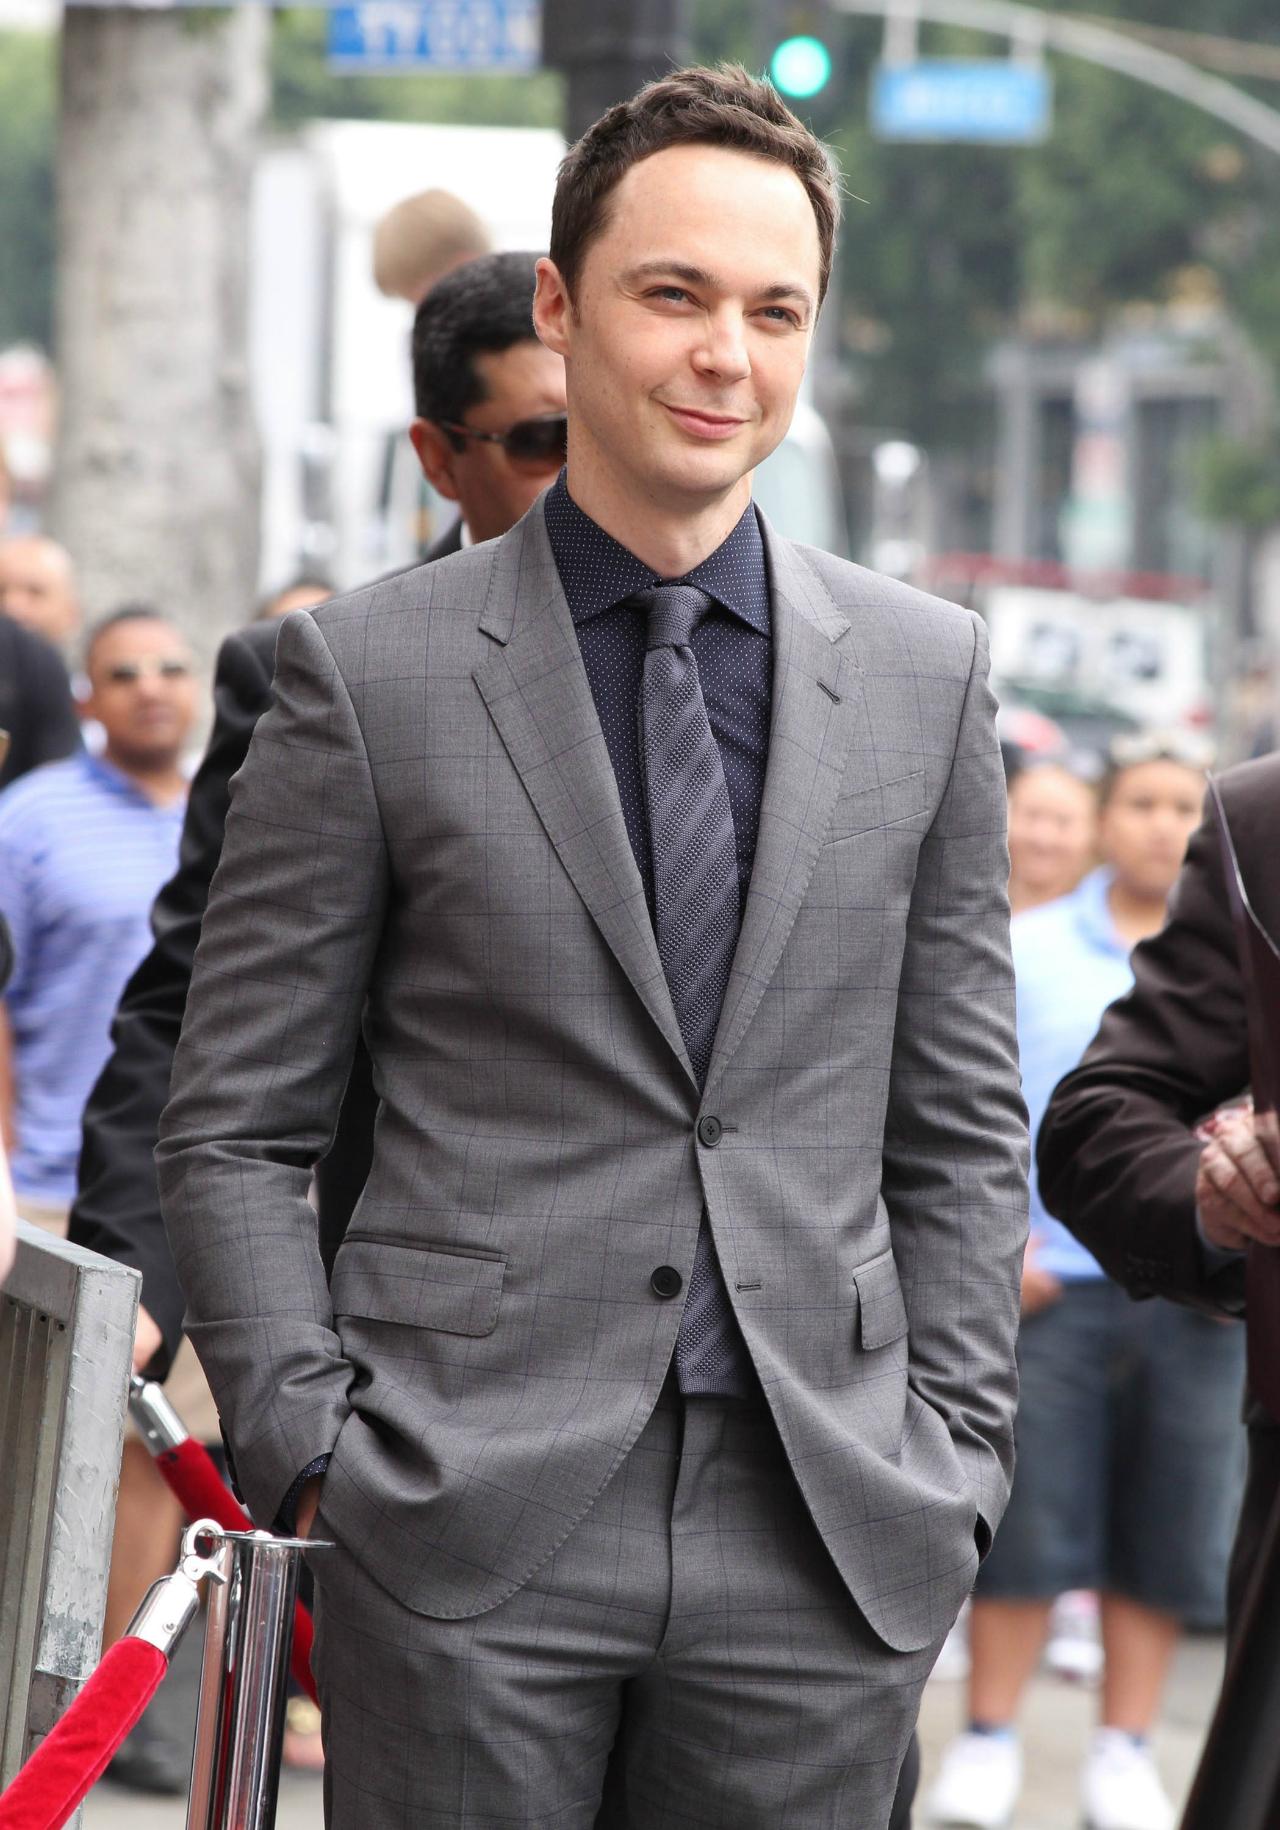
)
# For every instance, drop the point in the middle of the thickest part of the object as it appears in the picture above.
(156, 481)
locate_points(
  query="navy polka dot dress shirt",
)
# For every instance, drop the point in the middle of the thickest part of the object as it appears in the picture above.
(732, 644)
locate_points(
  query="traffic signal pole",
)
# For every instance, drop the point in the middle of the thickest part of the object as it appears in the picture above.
(608, 48)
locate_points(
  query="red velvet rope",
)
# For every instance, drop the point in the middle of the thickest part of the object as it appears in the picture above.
(75, 1753)
(196, 1484)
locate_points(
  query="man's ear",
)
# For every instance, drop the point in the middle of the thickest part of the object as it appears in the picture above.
(435, 455)
(552, 308)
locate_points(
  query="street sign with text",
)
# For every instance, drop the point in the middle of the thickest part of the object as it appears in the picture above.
(425, 35)
(962, 98)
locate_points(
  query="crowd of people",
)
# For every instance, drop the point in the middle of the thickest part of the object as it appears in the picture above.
(1130, 1454)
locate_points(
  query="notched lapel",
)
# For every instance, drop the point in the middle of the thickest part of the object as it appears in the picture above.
(817, 708)
(537, 692)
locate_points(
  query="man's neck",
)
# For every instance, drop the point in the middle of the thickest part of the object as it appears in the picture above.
(1136, 917)
(669, 538)
(162, 784)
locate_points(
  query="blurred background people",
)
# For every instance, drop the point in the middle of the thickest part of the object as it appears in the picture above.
(1053, 817)
(84, 846)
(422, 238)
(38, 588)
(1127, 1436)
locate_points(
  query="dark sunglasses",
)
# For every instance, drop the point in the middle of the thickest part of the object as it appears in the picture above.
(538, 444)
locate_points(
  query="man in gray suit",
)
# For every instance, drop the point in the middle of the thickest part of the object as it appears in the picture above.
(659, 1406)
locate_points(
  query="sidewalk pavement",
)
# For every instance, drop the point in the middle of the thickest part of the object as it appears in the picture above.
(1055, 1730)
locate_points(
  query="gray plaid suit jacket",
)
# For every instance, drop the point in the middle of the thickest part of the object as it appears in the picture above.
(427, 838)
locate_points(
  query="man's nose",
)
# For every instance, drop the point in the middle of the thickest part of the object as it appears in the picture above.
(724, 348)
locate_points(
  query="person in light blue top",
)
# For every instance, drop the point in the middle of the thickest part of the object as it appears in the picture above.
(85, 845)
(1128, 1438)
(1070, 961)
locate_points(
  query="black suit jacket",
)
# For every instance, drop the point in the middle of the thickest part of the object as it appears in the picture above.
(117, 1205)
(36, 707)
(1117, 1154)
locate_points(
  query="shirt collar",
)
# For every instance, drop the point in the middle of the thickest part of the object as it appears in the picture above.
(597, 571)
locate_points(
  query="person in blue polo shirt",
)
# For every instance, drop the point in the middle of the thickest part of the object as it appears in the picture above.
(84, 846)
(1128, 1439)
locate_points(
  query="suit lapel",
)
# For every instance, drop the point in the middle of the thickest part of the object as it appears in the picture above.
(536, 689)
(817, 706)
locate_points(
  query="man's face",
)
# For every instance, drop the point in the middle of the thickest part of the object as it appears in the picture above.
(493, 489)
(142, 692)
(686, 340)
(1150, 814)
(1052, 817)
(37, 587)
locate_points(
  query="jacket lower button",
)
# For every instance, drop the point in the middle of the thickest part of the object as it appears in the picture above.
(666, 1282)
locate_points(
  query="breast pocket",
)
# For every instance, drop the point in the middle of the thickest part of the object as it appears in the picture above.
(894, 803)
(446, 1288)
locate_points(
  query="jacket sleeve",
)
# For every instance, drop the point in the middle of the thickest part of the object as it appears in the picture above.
(955, 1156)
(293, 924)
(1116, 1153)
(117, 1206)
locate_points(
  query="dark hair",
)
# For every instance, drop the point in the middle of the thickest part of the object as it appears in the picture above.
(123, 613)
(480, 308)
(694, 107)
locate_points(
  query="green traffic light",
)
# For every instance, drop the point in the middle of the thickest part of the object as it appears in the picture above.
(800, 66)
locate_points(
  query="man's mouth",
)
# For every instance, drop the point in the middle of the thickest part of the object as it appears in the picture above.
(706, 425)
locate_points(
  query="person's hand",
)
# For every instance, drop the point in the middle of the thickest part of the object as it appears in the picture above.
(305, 1511)
(1238, 1182)
(147, 1340)
(1040, 1288)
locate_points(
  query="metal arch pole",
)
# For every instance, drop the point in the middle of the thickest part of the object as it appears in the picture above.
(1095, 44)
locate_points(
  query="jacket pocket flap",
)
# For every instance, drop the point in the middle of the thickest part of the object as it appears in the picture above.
(880, 804)
(439, 1287)
(882, 1314)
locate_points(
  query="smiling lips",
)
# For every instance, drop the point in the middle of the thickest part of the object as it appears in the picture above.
(711, 426)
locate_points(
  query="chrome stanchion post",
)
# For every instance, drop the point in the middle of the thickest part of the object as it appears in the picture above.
(235, 1771)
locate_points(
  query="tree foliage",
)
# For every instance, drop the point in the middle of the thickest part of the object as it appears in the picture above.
(27, 101)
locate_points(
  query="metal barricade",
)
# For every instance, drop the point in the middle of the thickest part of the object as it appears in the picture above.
(66, 1342)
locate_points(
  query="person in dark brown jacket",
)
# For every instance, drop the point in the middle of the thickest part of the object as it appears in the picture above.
(1120, 1158)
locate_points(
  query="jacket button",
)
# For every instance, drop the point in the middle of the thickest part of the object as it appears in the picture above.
(666, 1282)
(710, 1131)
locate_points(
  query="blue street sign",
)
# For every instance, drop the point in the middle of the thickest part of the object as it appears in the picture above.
(962, 98)
(474, 35)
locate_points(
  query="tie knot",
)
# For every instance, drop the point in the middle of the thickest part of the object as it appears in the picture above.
(674, 612)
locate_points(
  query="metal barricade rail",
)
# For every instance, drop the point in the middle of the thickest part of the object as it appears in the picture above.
(66, 1340)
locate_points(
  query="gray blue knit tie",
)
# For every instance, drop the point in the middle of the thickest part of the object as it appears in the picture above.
(697, 912)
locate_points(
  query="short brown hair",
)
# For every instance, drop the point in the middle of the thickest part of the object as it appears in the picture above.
(694, 107)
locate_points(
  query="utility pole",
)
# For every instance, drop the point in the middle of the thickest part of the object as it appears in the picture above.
(608, 48)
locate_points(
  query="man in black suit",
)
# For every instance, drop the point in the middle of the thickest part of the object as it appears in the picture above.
(489, 434)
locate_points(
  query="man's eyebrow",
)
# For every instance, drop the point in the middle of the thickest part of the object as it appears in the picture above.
(698, 276)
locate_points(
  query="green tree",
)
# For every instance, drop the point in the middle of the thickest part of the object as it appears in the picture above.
(28, 86)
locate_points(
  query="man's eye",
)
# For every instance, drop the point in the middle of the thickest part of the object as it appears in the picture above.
(675, 293)
(780, 315)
